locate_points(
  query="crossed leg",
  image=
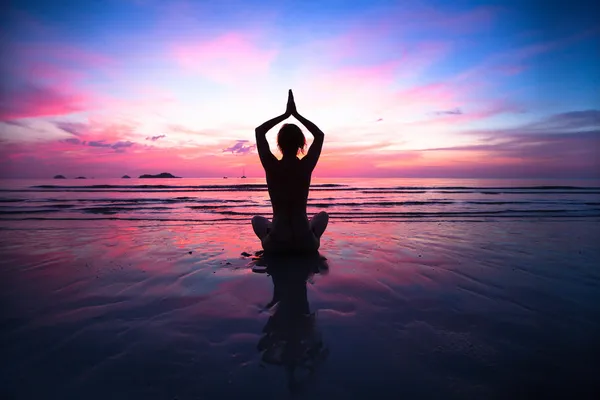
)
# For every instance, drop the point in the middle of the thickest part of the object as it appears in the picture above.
(318, 223)
(261, 226)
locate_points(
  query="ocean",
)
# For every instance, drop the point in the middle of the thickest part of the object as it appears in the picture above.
(236, 200)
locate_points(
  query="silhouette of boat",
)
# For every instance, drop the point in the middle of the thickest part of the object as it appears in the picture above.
(244, 173)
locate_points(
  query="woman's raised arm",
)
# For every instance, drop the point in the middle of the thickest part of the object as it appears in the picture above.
(266, 157)
(312, 157)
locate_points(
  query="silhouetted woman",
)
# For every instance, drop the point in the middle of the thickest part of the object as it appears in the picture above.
(288, 181)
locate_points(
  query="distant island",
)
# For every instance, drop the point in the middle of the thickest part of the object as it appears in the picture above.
(59, 177)
(126, 177)
(81, 177)
(161, 175)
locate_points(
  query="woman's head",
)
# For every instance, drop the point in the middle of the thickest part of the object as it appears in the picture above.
(290, 139)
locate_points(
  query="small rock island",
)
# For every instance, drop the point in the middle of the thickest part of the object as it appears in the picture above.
(59, 177)
(125, 177)
(81, 177)
(161, 175)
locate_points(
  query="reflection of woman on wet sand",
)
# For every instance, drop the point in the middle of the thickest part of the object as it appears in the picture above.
(290, 338)
(288, 181)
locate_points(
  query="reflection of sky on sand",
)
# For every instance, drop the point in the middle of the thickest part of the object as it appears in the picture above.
(456, 307)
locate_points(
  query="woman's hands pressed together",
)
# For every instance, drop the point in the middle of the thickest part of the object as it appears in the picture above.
(291, 105)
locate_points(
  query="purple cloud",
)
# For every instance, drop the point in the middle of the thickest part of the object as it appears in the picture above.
(72, 141)
(74, 128)
(98, 143)
(155, 138)
(455, 111)
(16, 123)
(119, 146)
(550, 141)
(240, 147)
(569, 120)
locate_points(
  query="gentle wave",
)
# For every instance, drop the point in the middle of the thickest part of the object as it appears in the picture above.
(362, 200)
(327, 185)
(341, 216)
(136, 203)
(241, 186)
(219, 210)
(132, 201)
(491, 190)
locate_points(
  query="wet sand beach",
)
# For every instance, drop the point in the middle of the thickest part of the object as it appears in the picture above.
(419, 309)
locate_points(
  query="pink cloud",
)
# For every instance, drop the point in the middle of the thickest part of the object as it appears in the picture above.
(142, 103)
(103, 159)
(415, 101)
(348, 80)
(47, 80)
(376, 86)
(53, 80)
(513, 157)
(433, 94)
(97, 132)
(459, 116)
(34, 101)
(226, 59)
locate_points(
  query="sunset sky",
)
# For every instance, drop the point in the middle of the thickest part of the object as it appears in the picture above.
(401, 88)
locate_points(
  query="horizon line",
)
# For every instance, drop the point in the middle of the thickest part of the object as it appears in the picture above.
(320, 177)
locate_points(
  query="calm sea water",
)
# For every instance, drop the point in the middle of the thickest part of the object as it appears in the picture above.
(236, 200)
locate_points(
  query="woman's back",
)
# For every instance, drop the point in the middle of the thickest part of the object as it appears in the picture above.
(288, 184)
